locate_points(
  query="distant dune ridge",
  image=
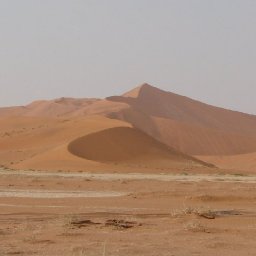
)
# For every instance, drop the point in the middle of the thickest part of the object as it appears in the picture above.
(144, 125)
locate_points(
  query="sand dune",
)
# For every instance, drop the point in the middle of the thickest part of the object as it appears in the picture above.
(39, 135)
(187, 125)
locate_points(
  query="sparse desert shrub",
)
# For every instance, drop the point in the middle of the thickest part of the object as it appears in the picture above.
(201, 212)
(79, 251)
(239, 174)
(195, 226)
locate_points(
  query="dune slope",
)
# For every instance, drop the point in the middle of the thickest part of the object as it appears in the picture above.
(240, 163)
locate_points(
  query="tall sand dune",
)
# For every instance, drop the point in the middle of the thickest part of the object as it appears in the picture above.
(185, 124)
(43, 130)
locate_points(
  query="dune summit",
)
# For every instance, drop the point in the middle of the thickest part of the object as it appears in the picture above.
(145, 124)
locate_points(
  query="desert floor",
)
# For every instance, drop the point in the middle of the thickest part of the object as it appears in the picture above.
(64, 213)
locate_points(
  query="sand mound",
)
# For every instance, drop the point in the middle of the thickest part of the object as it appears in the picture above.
(123, 144)
(29, 142)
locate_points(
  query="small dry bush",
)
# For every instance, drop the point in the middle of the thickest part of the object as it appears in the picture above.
(195, 226)
(201, 212)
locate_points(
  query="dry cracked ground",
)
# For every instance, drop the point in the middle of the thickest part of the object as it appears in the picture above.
(126, 214)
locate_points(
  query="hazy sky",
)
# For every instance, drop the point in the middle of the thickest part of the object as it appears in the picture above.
(204, 49)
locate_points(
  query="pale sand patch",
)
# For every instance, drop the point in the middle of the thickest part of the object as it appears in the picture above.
(136, 176)
(57, 193)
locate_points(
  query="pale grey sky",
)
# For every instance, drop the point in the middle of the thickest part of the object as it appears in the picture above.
(204, 49)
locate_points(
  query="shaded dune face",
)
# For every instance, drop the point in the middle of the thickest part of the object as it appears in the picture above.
(116, 144)
(123, 144)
